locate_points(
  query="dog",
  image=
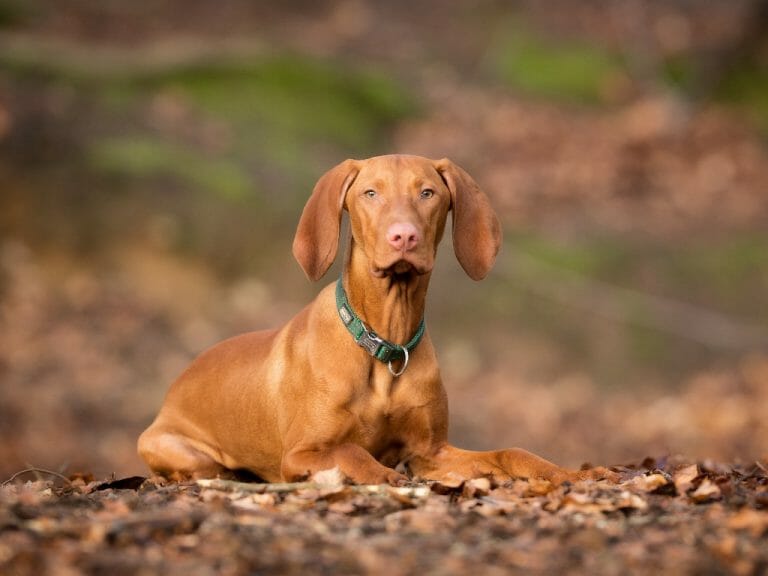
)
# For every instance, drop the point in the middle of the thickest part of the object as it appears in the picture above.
(352, 381)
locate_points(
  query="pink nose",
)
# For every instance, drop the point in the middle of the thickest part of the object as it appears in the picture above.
(403, 236)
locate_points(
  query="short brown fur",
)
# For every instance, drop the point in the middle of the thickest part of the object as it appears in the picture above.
(287, 403)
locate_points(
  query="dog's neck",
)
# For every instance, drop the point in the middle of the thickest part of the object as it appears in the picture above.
(391, 306)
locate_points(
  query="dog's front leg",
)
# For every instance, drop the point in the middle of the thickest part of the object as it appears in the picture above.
(451, 462)
(354, 461)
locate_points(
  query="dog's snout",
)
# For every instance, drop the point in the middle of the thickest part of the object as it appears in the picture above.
(403, 236)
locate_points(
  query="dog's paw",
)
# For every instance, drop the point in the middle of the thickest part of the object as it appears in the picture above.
(597, 473)
(379, 475)
(396, 479)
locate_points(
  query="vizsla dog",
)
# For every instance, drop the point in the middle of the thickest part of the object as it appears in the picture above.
(352, 381)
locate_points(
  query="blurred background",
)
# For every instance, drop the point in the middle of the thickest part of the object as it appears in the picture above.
(155, 156)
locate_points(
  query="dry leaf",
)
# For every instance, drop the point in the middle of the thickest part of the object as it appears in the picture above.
(684, 478)
(330, 477)
(628, 501)
(476, 487)
(487, 506)
(254, 502)
(706, 492)
(449, 484)
(650, 482)
(584, 503)
(408, 496)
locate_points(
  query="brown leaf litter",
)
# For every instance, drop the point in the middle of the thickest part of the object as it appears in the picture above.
(664, 515)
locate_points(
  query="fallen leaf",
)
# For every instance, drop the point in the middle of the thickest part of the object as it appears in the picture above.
(683, 478)
(706, 492)
(650, 482)
(628, 501)
(408, 496)
(337, 493)
(254, 502)
(585, 504)
(330, 477)
(487, 506)
(450, 484)
(476, 487)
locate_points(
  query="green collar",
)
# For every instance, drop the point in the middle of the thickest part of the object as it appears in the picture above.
(376, 346)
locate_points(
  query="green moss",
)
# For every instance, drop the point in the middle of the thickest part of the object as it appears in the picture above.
(294, 96)
(141, 156)
(746, 85)
(571, 71)
(594, 256)
(280, 108)
(732, 271)
(679, 73)
(743, 85)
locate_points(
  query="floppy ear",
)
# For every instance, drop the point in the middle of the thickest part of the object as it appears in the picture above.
(317, 237)
(476, 229)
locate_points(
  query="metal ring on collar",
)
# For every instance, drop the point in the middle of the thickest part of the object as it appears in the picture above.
(405, 363)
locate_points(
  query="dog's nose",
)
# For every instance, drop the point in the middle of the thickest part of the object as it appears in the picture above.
(403, 236)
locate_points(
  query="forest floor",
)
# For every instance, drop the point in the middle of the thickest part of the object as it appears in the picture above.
(149, 194)
(664, 517)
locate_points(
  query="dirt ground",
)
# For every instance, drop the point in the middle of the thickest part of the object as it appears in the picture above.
(674, 517)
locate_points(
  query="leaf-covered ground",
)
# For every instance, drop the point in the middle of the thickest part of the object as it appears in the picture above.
(671, 516)
(626, 313)
(115, 273)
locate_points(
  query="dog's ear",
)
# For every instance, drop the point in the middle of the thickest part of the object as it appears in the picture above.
(317, 237)
(476, 228)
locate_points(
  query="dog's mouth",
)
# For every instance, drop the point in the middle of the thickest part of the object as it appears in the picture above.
(400, 267)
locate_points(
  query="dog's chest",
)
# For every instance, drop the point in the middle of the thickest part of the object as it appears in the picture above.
(380, 408)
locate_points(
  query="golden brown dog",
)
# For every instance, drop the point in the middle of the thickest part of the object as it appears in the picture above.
(352, 381)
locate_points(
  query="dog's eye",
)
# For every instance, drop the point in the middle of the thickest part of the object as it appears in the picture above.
(370, 193)
(427, 193)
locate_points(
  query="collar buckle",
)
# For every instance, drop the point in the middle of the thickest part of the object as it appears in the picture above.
(370, 341)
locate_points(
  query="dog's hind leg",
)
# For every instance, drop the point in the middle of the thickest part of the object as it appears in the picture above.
(177, 457)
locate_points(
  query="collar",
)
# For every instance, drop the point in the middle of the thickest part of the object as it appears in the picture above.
(376, 346)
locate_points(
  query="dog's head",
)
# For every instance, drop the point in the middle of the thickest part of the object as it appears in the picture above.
(397, 208)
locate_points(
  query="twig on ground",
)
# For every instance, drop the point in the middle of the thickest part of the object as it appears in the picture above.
(280, 487)
(36, 471)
